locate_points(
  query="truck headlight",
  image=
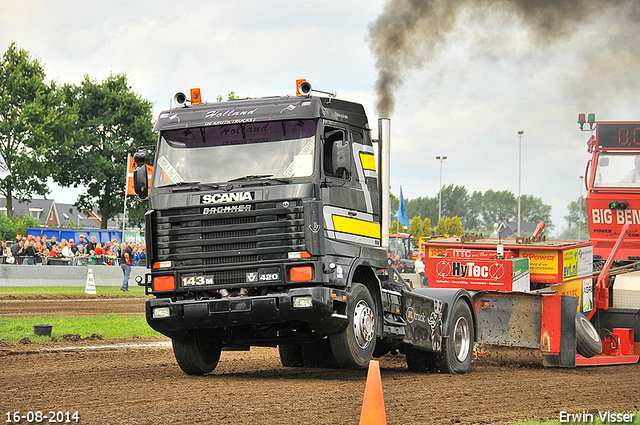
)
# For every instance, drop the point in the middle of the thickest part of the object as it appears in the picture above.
(161, 312)
(302, 302)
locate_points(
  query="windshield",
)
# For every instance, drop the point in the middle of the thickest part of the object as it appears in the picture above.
(617, 170)
(217, 154)
(398, 246)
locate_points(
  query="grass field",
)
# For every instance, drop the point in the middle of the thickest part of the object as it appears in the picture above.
(108, 326)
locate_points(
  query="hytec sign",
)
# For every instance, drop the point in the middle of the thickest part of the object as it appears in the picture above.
(478, 274)
(550, 262)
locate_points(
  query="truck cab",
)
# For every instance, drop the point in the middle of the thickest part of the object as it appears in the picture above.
(612, 181)
(265, 228)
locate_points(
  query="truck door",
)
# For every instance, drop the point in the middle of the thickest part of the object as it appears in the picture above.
(351, 210)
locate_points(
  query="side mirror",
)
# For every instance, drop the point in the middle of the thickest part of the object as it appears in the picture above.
(340, 157)
(140, 182)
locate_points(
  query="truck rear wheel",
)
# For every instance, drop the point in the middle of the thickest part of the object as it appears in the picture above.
(354, 346)
(196, 354)
(457, 348)
(588, 342)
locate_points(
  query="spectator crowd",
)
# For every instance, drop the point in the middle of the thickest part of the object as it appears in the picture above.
(39, 250)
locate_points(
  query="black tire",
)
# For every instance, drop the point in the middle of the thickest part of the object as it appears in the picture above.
(291, 355)
(588, 343)
(318, 354)
(354, 346)
(457, 348)
(196, 354)
(421, 361)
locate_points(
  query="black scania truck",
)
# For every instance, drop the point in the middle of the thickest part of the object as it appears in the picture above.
(268, 226)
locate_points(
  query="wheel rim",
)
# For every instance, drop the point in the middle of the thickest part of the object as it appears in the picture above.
(461, 339)
(589, 329)
(363, 324)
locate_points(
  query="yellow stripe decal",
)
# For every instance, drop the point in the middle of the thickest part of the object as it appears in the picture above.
(356, 227)
(368, 161)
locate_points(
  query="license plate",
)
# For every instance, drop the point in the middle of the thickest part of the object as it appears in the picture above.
(197, 281)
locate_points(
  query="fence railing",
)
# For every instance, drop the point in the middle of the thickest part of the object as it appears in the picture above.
(91, 260)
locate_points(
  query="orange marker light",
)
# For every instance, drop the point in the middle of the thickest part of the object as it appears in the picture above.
(298, 87)
(164, 283)
(301, 274)
(195, 97)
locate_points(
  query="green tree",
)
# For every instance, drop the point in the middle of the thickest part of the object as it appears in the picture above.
(441, 227)
(395, 227)
(449, 226)
(474, 220)
(136, 210)
(415, 228)
(113, 121)
(497, 207)
(426, 227)
(533, 210)
(454, 226)
(231, 96)
(455, 201)
(578, 225)
(34, 124)
(423, 207)
(9, 226)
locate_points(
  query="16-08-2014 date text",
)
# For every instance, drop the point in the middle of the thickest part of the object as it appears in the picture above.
(40, 417)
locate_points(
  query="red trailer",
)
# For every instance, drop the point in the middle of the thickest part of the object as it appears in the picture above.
(602, 274)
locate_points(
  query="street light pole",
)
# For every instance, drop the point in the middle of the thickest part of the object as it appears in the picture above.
(520, 133)
(440, 158)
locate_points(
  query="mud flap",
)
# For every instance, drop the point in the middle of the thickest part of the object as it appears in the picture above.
(544, 322)
(563, 351)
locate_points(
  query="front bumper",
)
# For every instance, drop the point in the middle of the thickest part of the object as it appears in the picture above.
(326, 314)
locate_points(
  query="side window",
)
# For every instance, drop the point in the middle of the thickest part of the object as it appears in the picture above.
(334, 145)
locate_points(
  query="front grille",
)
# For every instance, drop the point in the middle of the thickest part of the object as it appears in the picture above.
(269, 231)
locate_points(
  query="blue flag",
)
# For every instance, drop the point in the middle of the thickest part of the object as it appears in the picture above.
(401, 215)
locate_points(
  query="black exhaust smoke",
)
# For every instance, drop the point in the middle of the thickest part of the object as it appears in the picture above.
(408, 33)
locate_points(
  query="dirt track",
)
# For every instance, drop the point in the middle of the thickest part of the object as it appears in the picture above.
(120, 383)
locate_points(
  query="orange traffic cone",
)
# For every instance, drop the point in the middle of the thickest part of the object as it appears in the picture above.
(373, 405)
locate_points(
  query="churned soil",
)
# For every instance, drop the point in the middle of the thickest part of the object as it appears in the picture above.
(137, 381)
(82, 305)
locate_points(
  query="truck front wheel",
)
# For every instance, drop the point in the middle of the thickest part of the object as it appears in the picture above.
(354, 346)
(196, 354)
(291, 355)
(457, 349)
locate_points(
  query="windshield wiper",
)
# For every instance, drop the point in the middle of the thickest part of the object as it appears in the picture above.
(181, 186)
(271, 180)
(251, 177)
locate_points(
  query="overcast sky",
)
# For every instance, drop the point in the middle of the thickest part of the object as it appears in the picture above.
(466, 80)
